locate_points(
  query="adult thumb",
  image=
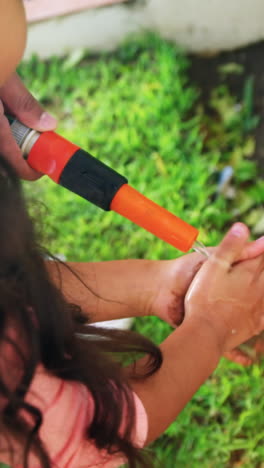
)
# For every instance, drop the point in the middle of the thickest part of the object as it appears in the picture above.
(20, 103)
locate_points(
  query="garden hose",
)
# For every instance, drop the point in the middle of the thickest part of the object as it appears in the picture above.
(78, 171)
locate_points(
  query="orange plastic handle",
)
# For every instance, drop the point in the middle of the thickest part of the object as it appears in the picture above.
(129, 203)
(50, 154)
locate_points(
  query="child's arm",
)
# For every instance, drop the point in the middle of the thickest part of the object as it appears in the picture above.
(190, 355)
(130, 288)
(224, 307)
(127, 288)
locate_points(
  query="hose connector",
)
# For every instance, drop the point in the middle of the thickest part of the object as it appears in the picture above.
(25, 137)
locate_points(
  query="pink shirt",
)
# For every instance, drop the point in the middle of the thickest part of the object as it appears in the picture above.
(67, 409)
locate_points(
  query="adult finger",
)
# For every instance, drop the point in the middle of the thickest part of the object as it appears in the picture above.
(10, 150)
(20, 103)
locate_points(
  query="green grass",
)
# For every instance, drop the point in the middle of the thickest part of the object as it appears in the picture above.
(136, 110)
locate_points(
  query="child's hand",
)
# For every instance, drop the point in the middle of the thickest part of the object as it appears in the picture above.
(16, 99)
(174, 277)
(229, 297)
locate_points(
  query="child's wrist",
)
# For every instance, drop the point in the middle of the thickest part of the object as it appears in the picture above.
(150, 278)
(215, 328)
(157, 289)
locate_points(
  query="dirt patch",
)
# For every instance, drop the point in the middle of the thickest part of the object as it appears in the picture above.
(205, 72)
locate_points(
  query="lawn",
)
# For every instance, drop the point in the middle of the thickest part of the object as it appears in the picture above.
(137, 111)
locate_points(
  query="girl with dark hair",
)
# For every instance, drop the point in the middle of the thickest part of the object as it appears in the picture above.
(66, 401)
(68, 396)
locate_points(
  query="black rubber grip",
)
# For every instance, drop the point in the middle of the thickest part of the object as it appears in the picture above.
(91, 179)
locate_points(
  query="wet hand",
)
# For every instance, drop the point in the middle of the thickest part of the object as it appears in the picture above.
(172, 279)
(228, 293)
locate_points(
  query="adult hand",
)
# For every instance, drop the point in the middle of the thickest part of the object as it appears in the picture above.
(18, 101)
(228, 294)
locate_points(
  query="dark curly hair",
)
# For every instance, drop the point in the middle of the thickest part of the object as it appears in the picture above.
(34, 306)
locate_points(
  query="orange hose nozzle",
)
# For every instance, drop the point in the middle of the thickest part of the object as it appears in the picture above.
(134, 206)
